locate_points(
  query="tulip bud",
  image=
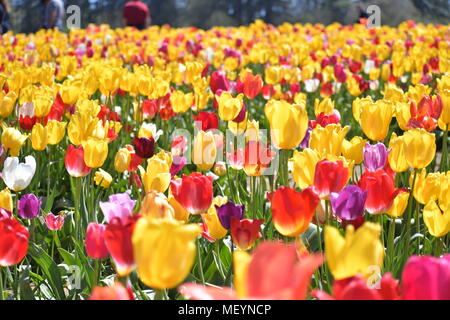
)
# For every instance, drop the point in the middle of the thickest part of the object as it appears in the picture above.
(122, 160)
(103, 178)
(39, 137)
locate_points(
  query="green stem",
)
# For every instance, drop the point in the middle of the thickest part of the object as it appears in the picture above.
(390, 248)
(418, 226)
(200, 263)
(438, 243)
(408, 218)
(443, 165)
(2, 297)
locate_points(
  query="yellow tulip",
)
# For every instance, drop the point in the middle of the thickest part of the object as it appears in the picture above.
(325, 106)
(375, 119)
(354, 149)
(437, 219)
(181, 102)
(122, 160)
(356, 253)
(6, 201)
(204, 151)
(39, 137)
(211, 219)
(396, 156)
(420, 148)
(180, 213)
(328, 141)
(403, 114)
(427, 186)
(102, 178)
(156, 206)
(273, 74)
(288, 123)
(157, 176)
(229, 107)
(357, 106)
(7, 103)
(81, 127)
(304, 167)
(164, 251)
(42, 105)
(56, 131)
(399, 205)
(95, 152)
(394, 94)
(444, 120)
(252, 131)
(12, 140)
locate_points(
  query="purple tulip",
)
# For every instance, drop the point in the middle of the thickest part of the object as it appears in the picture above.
(178, 164)
(305, 143)
(29, 206)
(144, 147)
(375, 156)
(119, 206)
(229, 210)
(349, 203)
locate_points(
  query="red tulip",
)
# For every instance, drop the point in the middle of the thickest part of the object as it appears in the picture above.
(245, 232)
(54, 222)
(267, 91)
(74, 162)
(13, 241)
(95, 241)
(26, 122)
(325, 119)
(118, 241)
(293, 211)
(381, 190)
(57, 110)
(426, 114)
(269, 261)
(114, 292)
(194, 192)
(356, 288)
(144, 147)
(208, 120)
(219, 81)
(330, 176)
(339, 72)
(149, 108)
(252, 85)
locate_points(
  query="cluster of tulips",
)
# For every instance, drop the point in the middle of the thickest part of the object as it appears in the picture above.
(257, 162)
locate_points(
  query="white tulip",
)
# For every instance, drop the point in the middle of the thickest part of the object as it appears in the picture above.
(17, 176)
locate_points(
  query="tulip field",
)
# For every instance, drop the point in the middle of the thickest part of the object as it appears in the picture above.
(255, 162)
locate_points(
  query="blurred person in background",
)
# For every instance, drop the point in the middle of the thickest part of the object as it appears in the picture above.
(136, 14)
(53, 14)
(4, 16)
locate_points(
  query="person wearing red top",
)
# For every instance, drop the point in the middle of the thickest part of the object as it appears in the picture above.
(136, 14)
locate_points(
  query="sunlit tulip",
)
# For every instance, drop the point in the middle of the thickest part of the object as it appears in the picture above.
(17, 176)
(204, 151)
(329, 140)
(7, 103)
(356, 253)
(167, 238)
(245, 232)
(273, 75)
(399, 204)
(157, 176)
(28, 206)
(118, 205)
(229, 106)
(354, 149)
(426, 114)
(381, 190)
(436, 219)
(252, 85)
(257, 158)
(194, 192)
(12, 140)
(95, 241)
(375, 157)
(180, 213)
(288, 123)
(293, 211)
(427, 187)
(330, 176)
(375, 119)
(212, 221)
(118, 235)
(208, 120)
(254, 275)
(122, 160)
(14, 239)
(102, 178)
(156, 206)
(74, 162)
(95, 152)
(42, 105)
(39, 138)
(219, 81)
(55, 131)
(396, 156)
(181, 102)
(6, 201)
(419, 148)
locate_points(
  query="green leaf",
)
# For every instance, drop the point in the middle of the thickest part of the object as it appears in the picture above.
(50, 269)
(24, 285)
